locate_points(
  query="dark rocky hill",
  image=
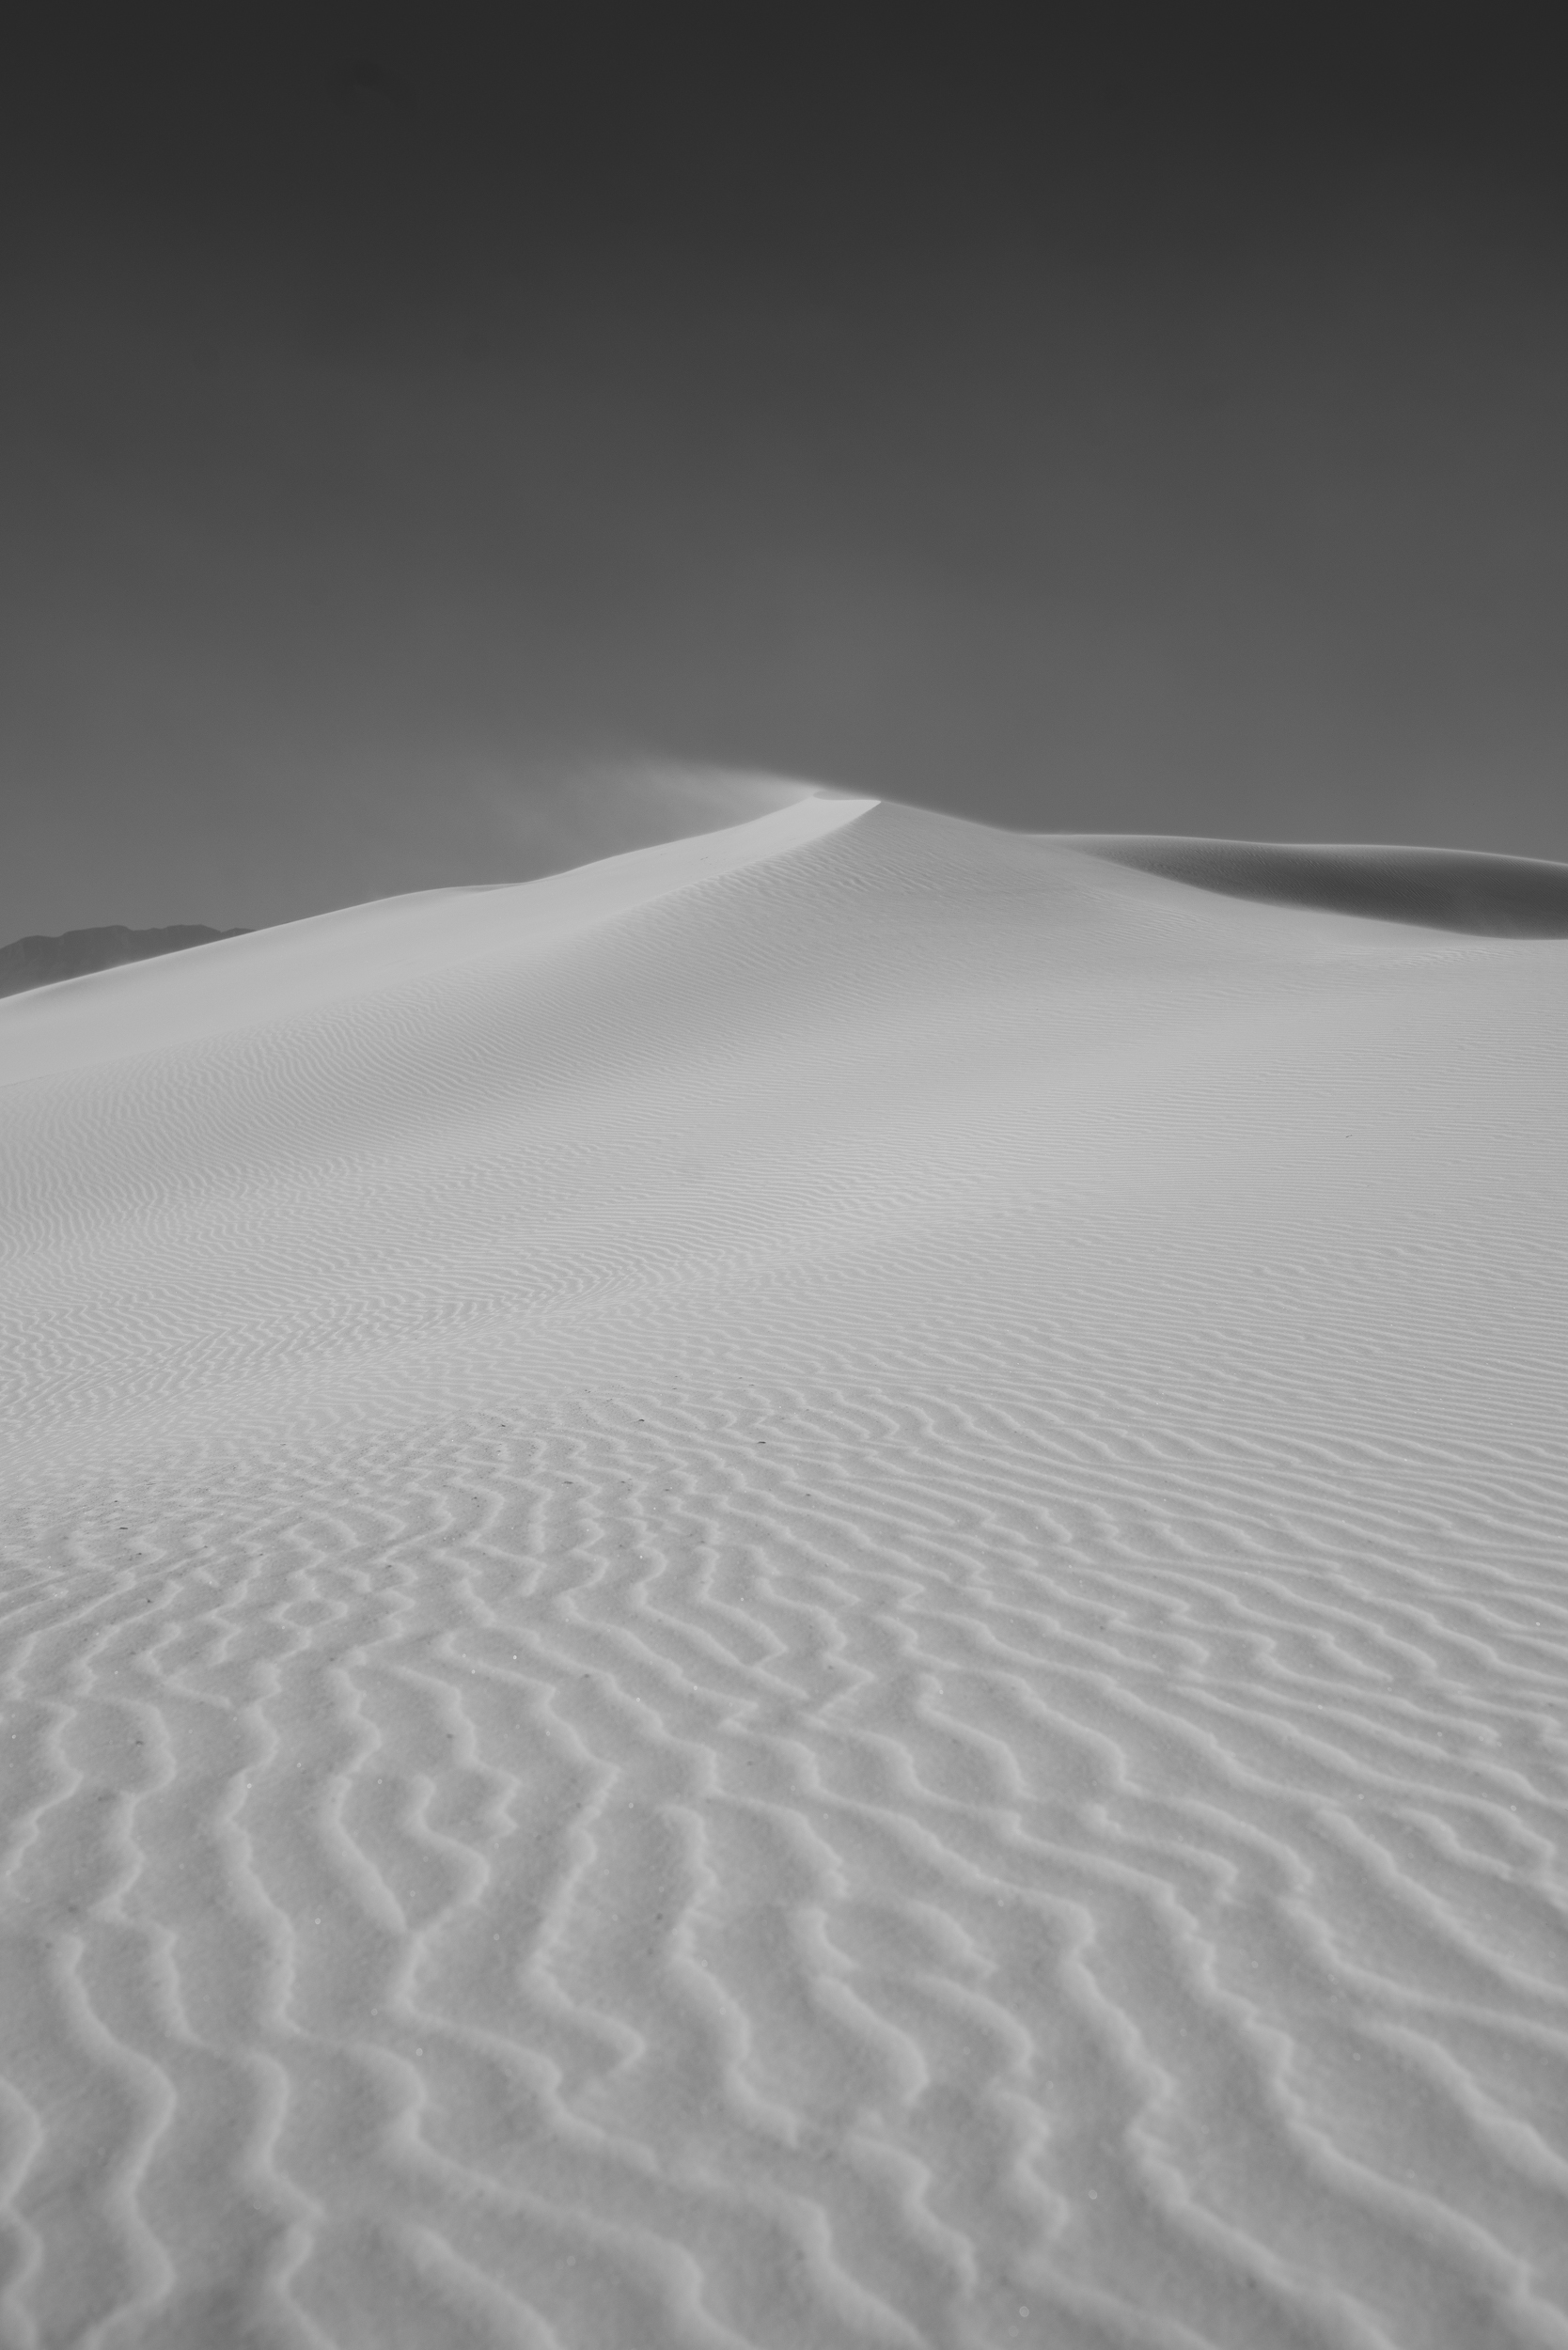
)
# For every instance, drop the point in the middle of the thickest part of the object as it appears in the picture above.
(38, 962)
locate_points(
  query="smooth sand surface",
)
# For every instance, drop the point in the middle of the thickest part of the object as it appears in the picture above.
(810, 1591)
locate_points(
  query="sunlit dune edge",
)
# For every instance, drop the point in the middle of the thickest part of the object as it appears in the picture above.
(804, 1590)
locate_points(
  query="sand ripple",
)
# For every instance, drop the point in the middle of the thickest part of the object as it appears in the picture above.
(838, 1620)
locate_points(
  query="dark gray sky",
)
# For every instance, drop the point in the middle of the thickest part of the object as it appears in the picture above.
(437, 438)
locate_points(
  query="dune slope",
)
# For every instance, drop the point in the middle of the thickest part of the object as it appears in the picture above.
(807, 1590)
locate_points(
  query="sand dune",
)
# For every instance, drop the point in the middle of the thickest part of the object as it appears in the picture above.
(1446, 889)
(808, 1590)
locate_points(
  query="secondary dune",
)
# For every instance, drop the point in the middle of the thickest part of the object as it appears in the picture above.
(1445, 889)
(805, 1591)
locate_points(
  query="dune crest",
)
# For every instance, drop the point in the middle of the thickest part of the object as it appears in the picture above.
(807, 1590)
(256, 978)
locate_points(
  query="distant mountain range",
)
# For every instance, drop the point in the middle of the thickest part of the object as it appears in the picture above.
(38, 962)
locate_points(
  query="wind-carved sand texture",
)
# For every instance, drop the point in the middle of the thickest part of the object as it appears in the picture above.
(810, 1591)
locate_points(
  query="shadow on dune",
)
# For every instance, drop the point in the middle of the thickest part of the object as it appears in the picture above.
(1445, 889)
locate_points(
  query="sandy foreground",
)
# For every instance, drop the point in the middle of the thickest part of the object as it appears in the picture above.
(807, 1592)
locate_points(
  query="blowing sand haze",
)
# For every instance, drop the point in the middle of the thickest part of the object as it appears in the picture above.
(805, 1591)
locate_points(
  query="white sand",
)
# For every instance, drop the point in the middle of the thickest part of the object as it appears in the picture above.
(811, 1591)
